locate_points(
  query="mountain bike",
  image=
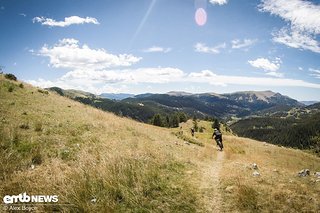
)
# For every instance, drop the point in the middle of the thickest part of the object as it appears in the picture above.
(219, 143)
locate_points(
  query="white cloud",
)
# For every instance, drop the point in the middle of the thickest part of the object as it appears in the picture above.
(156, 75)
(238, 44)
(203, 74)
(219, 2)
(201, 47)
(45, 83)
(315, 72)
(94, 76)
(67, 53)
(303, 17)
(109, 80)
(270, 67)
(252, 81)
(296, 39)
(67, 21)
(22, 14)
(206, 76)
(275, 74)
(140, 75)
(92, 70)
(265, 64)
(157, 49)
(79, 85)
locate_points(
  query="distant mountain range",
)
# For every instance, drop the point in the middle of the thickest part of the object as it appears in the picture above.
(116, 96)
(307, 103)
(142, 107)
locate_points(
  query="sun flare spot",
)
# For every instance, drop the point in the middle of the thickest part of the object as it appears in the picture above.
(200, 16)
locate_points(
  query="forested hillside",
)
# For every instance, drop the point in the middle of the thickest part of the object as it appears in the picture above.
(303, 133)
(145, 106)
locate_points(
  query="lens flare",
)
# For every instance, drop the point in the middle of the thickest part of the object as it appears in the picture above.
(200, 16)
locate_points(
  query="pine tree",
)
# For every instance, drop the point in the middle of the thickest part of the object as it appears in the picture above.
(182, 117)
(195, 125)
(194, 118)
(175, 120)
(216, 124)
(156, 120)
(167, 121)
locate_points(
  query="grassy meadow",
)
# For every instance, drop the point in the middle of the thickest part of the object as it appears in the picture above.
(98, 162)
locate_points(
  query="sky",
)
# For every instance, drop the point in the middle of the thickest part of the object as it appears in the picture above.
(157, 46)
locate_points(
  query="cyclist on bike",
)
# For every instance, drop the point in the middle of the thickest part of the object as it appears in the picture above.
(217, 135)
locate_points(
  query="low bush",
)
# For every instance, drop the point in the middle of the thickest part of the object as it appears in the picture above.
(37, 159)
(10, 88)
(38, 127)
(24, 126)
(10, 77)
(43, 91)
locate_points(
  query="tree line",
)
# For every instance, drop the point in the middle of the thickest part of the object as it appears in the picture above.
(169, 120)
(299, 133)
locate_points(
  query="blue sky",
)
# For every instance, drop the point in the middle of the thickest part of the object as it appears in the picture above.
(158, 46)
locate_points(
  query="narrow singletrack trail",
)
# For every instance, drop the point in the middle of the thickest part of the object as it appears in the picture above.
(210, 184)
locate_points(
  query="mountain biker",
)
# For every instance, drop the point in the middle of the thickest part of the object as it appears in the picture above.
(192, 132)
(217, 135)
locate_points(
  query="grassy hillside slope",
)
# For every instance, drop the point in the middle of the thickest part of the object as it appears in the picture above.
(98, 162)
(53, 145)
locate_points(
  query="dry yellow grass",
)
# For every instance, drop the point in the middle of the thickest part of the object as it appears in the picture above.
(82, 154)
(278, 189)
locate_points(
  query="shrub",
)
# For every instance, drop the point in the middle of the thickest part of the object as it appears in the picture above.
(38, 127)
(43, 91)
(24, 147)
(24, 126)
(195, 125)
(68, 154)
(10, 88)
(10, 77)
(37, 159)
(21, 85)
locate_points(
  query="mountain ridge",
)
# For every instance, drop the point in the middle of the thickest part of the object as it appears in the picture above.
(222, 106)
(116, 96)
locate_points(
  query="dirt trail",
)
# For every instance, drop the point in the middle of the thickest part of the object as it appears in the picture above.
(210, 184)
